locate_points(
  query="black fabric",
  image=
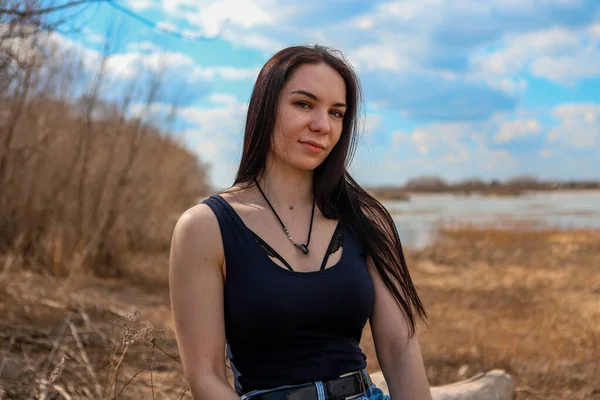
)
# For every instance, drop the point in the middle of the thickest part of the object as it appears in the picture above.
(285, 327)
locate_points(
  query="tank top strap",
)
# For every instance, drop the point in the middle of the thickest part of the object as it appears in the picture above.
(234, 233)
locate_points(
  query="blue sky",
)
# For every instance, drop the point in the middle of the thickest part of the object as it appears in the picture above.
(455, 88)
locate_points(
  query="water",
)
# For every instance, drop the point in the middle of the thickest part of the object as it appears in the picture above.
(418, 219)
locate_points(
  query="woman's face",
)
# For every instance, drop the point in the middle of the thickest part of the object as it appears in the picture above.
(309, 121)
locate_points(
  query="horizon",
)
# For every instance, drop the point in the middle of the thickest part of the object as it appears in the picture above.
(517, 93)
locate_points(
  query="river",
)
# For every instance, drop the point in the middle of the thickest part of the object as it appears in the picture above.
(418, 219)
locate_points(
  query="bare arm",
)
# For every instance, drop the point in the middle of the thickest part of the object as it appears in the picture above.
(399, 355)
(196, 289)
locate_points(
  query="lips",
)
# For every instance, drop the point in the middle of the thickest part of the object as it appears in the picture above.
(313, 143)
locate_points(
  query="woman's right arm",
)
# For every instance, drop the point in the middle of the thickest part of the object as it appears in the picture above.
(196, 289)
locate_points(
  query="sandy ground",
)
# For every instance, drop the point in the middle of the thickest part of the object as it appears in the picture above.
(524, 301)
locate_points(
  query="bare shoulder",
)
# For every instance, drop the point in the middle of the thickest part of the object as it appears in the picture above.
(197, 236)
(237, 195)
(199, 219)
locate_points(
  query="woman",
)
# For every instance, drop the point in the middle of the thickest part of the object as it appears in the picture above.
(287, 265)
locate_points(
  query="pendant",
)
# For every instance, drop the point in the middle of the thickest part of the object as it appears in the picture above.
(302, 247)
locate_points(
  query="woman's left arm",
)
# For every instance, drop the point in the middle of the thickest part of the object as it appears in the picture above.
(398, 353)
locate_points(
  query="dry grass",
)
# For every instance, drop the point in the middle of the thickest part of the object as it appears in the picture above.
(527, 313)
(526, 300)
(83, 340)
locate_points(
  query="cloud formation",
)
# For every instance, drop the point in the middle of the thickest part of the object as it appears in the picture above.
(422, 57)
(454, 87)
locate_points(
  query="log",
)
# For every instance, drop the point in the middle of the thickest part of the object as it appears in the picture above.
(492, 385)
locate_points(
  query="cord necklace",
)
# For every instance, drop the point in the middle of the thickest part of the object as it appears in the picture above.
(303, 247)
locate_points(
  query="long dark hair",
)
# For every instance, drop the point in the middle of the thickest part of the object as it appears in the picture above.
(338, 195)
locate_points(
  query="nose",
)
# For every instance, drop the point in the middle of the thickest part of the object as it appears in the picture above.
(320, 122)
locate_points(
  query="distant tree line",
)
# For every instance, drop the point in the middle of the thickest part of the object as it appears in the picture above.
(509, 187)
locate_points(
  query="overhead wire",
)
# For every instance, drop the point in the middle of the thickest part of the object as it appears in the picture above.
(141, 19)
(178, 34)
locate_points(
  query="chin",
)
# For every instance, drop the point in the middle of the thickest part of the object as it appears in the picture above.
(306, 165)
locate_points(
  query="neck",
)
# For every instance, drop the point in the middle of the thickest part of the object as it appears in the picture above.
(285, 186)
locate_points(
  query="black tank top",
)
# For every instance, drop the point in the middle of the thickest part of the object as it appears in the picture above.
(285, 327)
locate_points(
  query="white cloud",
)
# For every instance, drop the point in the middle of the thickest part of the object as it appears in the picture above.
(144, 46)
(211, 15)
(222, 99)
(382, 56)
(129, 65)
(497, 159)
(92, 36)
(448, 141)
(409, 36)
(546, 153)
(174, 6)
(406, 10)
(387, 45)
(456, 158)
(595, 31)
(558, 54)
(452, 150)
(422, 140)
(363, 22)
(568, 68)
(510, 130)
(265, 43)
(509, 85)
(148, 57)
(140, 5)
(373, 123)
(225, 114)
(224, 72)
(399, 137)
(578, 127)
(242, 12)
(459, 150)
(217, 134)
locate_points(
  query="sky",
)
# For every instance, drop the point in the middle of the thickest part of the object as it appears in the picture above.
(454, 88)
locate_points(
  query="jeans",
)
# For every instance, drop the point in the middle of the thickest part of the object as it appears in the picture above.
(373, 392)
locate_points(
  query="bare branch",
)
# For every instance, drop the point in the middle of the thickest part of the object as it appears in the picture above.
(85, 358)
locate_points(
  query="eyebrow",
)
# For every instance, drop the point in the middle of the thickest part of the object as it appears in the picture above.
(315, 98)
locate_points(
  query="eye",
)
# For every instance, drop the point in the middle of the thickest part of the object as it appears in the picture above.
(337, 113)
(302, 104)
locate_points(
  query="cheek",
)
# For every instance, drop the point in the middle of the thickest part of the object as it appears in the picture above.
(336, 138)
(280, 141)
(286, 130)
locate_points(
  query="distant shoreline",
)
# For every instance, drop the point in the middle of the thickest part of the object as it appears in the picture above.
(512, 187)
(399, 194)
